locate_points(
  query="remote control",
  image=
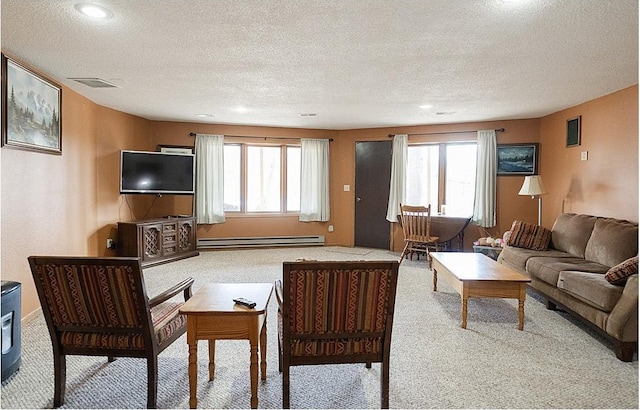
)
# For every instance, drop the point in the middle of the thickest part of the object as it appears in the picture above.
(245, 302)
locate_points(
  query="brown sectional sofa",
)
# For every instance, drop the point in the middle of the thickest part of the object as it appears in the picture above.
(571, 273)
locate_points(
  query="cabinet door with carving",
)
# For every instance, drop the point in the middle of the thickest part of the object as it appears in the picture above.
(186, 236)
(151, 242)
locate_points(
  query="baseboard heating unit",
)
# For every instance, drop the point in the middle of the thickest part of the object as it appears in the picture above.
(260, 242)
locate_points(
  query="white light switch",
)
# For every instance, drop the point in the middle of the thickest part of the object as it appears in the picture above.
(347, 188)
(584, 155)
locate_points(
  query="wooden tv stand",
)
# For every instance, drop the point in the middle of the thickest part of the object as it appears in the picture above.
(159, 240)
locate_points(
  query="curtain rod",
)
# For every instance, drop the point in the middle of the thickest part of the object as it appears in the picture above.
(193, 134)
(446, 132)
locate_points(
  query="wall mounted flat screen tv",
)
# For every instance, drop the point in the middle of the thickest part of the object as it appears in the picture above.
(144, 172)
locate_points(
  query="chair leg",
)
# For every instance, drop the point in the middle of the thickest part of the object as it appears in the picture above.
(285, 386)
(152, 382)
(279, 355)
(405, 251)
(60, 378)
(368, 365)
(384, 384)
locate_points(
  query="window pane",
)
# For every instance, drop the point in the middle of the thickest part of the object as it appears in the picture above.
(293, 179)
(263, 179)
(232, 177)
(422, 176)
(460, 179)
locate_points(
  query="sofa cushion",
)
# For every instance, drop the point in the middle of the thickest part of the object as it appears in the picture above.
(517, 257)
(529, 236)
(547, 269)
(591, 288)
(612, 241)
(571, 232)
(618, 274)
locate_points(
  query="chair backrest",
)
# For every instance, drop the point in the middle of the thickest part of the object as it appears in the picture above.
(342, 311)
(101, 295)
(416, 222)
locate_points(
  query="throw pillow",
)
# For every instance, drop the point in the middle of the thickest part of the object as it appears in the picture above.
(529, 236)
(618, 274)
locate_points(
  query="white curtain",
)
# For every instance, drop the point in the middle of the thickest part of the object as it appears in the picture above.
(484, 207)
(314, 180)
(209, 179)
(398, 185)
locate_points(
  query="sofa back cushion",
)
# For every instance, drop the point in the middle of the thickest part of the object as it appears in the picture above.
(571, 232)
(612, 241)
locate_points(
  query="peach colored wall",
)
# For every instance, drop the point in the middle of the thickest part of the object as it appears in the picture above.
(65, 204)
(49, 202)
(116, 131)
(607, 183)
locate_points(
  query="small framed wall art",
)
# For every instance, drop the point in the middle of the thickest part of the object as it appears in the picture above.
(518, 159)
(31, 113)
(574, 131)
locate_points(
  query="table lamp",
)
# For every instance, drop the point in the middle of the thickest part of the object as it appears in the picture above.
(533, 186)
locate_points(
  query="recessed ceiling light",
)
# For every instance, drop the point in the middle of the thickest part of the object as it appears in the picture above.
(93, 10)
(240, 109)
(426, 106)
(205, 115)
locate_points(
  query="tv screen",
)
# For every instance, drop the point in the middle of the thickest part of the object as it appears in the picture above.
(144, 172)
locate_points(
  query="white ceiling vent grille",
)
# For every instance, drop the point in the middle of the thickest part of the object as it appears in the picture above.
(94, 82)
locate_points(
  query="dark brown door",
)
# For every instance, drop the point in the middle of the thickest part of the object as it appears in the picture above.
(373, 175)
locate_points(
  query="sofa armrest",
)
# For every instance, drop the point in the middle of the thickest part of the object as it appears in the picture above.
(623, 319)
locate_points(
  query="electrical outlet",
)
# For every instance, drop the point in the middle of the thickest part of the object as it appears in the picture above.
(111, 244)
(584, 155)
(330, 228)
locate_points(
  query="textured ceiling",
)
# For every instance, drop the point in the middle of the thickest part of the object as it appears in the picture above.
(354, 63)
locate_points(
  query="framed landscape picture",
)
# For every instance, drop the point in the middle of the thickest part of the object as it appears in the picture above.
(31, 113)
(518, 159)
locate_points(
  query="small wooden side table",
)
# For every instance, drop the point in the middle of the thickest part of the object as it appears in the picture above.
(212, 315)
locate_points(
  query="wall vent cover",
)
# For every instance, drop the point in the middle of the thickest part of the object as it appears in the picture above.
(94, 82)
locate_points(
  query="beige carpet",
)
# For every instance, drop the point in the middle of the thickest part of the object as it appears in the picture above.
(553, 363)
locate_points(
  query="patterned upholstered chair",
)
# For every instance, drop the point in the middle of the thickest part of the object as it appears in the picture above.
(336, 312)
(99, 307)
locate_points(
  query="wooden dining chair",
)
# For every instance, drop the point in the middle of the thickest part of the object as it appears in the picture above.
(99, 307)
(416, 227)
(336, 312)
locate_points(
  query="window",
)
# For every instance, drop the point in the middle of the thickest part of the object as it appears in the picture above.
(456, 185)
(261, 178)
(422, 175)
(460, 179)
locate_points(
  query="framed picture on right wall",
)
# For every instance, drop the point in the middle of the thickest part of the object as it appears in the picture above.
(573, 131)
(518, 159)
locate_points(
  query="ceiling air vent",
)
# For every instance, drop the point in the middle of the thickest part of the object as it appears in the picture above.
(308, 114)
(94, 82)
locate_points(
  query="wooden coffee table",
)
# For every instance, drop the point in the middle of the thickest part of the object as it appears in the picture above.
(474, 275)
(212, 315)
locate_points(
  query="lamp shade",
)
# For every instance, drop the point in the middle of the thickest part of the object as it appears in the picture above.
(532, 186)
